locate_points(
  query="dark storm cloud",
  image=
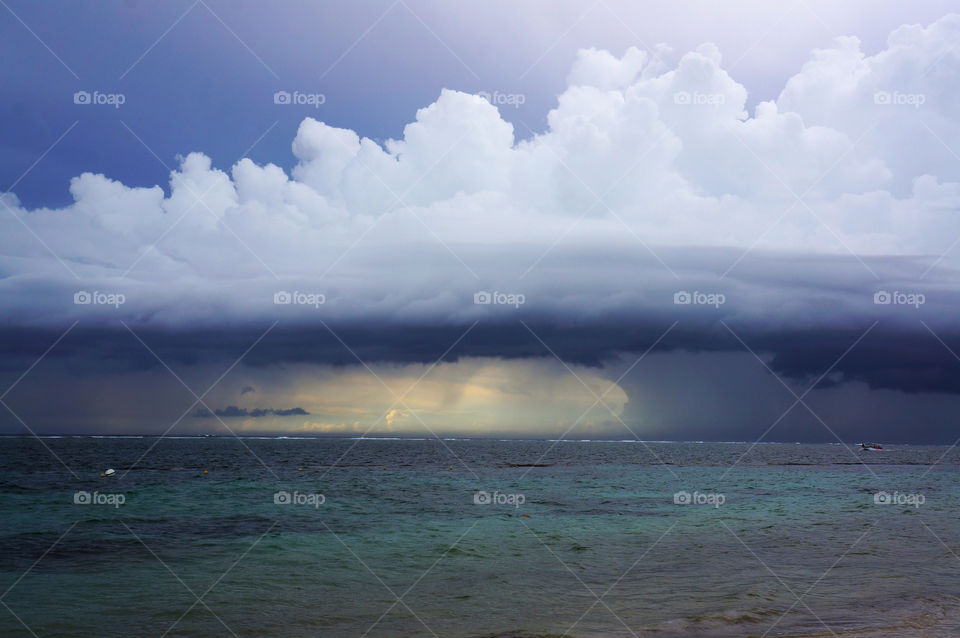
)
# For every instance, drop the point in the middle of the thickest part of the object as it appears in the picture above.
(233, 411)
(353, 278)
(897, 354)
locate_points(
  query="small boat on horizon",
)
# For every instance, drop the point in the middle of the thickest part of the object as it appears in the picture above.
(871, 446)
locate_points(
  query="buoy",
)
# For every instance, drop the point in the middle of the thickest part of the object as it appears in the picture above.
(451, 467)
(204, 471)
(525, 515)
(299, 469)
(109, 472)
(101, 474)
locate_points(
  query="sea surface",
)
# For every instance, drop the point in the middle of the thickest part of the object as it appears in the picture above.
(475, 538)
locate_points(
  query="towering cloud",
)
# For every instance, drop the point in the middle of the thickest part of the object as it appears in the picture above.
(653, 177)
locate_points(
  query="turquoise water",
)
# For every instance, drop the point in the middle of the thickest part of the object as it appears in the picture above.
(581, 538)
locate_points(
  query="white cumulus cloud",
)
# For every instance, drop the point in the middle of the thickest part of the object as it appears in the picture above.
(638, 161)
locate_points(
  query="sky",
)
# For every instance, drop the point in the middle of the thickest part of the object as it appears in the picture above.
(666, 221)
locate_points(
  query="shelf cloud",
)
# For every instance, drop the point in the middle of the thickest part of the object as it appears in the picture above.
(654, 210)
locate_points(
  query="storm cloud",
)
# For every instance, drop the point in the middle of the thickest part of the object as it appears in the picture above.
(654, 213)
(232, 411)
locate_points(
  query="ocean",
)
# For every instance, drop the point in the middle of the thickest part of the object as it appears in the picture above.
(475, 538)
